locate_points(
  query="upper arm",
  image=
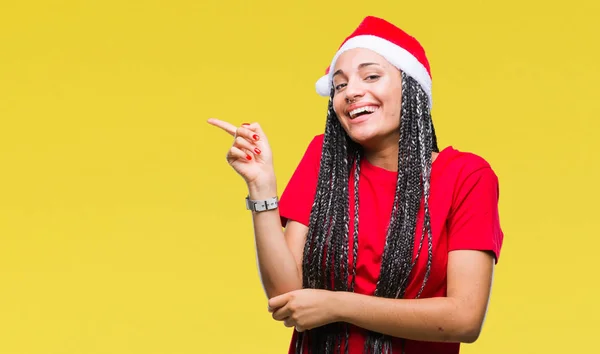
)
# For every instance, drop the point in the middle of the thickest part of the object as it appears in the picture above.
(475, 239)
(469, 281)
(474, 221)
(297, 199)
(295, 237)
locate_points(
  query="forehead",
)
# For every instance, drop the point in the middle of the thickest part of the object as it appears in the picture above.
(352, 58)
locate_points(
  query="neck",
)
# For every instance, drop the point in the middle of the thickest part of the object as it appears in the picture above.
(386, 155)
(383, 156)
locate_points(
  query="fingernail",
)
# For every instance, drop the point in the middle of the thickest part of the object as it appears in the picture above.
(257, 150)
(248, 157)
(255, 137)
(245, 123)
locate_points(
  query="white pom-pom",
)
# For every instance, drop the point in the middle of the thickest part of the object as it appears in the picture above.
(323, 87)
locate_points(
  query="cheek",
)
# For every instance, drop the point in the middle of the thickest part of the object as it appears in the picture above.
(396, 108)
(338, 106)
(394, 103)
(392, 113)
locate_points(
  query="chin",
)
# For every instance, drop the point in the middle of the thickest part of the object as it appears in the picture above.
(370, 137)
(361, 136)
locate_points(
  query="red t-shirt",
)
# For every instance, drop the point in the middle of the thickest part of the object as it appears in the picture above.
(464, 215)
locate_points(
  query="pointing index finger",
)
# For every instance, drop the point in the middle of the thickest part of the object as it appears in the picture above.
(228, 127)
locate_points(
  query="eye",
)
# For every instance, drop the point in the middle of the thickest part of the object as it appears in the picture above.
(373, 77)
(339, 87)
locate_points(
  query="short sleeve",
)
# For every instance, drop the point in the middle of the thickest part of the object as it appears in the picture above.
(474, 222)
(297, 198)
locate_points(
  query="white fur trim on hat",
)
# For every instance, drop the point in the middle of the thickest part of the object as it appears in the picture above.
(396, 55)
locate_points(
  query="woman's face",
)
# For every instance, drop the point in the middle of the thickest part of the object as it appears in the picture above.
(367, 99)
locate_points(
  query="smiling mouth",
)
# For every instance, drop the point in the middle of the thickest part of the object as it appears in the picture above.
(361, 111)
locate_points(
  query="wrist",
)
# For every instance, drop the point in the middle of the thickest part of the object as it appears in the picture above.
(336, 303)
(340, 305)
(260, 190)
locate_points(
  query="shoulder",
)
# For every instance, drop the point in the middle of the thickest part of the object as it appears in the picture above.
(310, 161)
(312, 155)
(316, 144)
(298, 196)
(461, 165)
(465, 173)
(463, 161)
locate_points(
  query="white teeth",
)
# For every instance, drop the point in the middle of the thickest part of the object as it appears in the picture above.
(369, 109)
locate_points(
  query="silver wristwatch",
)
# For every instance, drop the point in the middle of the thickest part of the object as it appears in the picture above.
(262, 205)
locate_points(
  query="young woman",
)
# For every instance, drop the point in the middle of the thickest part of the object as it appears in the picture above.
(389, 243)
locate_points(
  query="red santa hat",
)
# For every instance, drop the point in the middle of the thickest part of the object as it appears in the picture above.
(396, 46)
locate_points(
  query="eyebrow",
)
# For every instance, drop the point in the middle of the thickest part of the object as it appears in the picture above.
(360, 67)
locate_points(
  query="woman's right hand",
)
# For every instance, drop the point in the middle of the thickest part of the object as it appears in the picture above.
(250, 154)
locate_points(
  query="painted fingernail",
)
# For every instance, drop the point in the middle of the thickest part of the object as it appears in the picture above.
(245, 123)
(257, 150)
(248, 157)
(255, 137)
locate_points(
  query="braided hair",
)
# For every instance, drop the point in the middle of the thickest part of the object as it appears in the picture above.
(325, 262)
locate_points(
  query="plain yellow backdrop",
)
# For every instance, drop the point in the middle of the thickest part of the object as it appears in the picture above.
(123, 230)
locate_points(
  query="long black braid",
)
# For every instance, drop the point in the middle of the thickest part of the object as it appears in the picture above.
(325, 261)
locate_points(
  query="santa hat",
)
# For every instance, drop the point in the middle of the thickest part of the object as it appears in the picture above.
(389, 41)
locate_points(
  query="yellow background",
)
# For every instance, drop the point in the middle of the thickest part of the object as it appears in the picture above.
(123, 230)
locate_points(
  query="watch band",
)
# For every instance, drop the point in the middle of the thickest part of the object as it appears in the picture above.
(262, 205)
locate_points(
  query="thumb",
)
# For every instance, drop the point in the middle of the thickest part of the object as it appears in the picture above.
(278, 301)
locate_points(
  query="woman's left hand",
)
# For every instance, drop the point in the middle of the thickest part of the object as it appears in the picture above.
(304, 309)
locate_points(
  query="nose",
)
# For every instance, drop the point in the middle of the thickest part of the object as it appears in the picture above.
(354, 90)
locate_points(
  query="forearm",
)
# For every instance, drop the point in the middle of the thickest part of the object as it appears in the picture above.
(278, 269)
(439, 319)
